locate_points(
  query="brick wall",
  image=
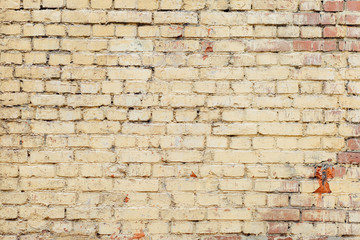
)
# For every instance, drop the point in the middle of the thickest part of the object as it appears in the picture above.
(179, 119)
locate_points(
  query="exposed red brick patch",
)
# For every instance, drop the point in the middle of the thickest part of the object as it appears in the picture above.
(333, 6)
(137, 235)
(318, 45)
(349, 157)
(353, 144)
(353, 5)
(209, 49)
(279, 214)
(277, 227)
(206, 47)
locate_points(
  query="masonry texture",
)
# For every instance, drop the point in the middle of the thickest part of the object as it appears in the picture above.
(179, 119)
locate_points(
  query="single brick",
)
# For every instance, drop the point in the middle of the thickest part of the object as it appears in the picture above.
(315, 45)
(353, 144)
(349, 157)
(324, 215)
(352, 5)
(279, 214)
(333, 6)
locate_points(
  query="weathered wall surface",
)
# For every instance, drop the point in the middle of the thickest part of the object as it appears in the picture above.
(179, 119)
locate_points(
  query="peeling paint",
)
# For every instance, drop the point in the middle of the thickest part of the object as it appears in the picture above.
(193, 175)
(323, 174)
(138, 235)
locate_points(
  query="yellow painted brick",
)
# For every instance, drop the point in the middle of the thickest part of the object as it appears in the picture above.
(126, 4)
(101, 4)
(241, 31)
(130, 17)
(8, 213)
(273, 73)
(52, 127)
(309, 73)
(41, 184)
(103, 30)
(37, 171)
(35, 58)
(81, 45)
(31, 4)
(77, 4)
(222, 18)
(94, 156)
(55, 30)
(67, 170)
(10, 86)
(46, 16)
(233, 214)
(309, 143)
(34, 30)
(9, 171)
(53, 3)
(79, 30)
(50, 156)
(89, 184)
(129, 45)
(32, 86)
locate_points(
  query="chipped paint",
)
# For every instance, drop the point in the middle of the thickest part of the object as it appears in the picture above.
(323, 174)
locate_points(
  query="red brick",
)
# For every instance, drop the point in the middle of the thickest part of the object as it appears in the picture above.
(330, 32)
(269, 46)
(307, 18)
(277, 227)
(353, 144)
(353, 5)
(339, 172)
(350, 19)
(333, 32)
(349, 157)
(320, 45)
(323, 215)
(351, 46)
(279, 214)
(334, 6)
(353, 32)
